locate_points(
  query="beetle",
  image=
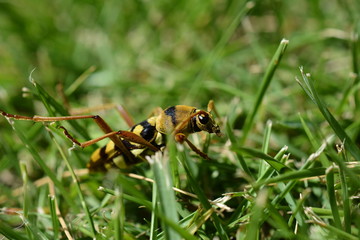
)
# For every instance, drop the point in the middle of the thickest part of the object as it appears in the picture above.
(127, 148)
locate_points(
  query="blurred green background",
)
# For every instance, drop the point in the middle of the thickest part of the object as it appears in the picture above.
(161, 53)
(145, 54)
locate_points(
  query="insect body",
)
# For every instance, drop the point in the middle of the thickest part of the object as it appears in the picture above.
(110, 155)
(179, 120)
(127, 148)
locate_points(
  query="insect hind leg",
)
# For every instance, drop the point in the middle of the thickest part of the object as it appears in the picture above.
(98, 120)
(118, 107)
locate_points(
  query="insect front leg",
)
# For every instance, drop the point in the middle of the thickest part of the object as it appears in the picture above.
(181, 138)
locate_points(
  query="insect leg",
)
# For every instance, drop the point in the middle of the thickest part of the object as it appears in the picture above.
(130, 136)
(119, 108)
(211, 108)
(180, 137)
(98, 120)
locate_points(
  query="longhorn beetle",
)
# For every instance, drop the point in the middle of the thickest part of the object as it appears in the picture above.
(127, 148)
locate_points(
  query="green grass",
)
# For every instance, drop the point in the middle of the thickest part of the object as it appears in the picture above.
(285, 81)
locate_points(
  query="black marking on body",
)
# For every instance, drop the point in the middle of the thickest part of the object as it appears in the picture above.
(148, 131)
(129, 146)
(100, 164)
(130, 162)
(171, 111)
(163, 141)
(102, 152)
(133, 127)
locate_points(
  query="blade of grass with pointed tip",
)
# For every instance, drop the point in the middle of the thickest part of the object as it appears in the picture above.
(265, 146)
(310, 90)
(278, 166)
(293, 175)
(270, 171)
(274, 63)
(51, 104)
(75, 85)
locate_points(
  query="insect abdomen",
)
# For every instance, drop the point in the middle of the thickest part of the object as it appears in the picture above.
(110, 156)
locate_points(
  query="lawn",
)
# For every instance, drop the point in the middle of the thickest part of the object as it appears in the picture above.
(284, 77)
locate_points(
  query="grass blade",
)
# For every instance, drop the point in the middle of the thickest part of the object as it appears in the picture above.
(339, 131)
(294, 175)
(154, 218)
(257, 213)
(9, 232)
(345, 197)
(75, 85)
(118, 216)
(26, 196)
(354, 43)
(39, 160)
(202, 198)
(238, 155)
(274, 63)
(166, 194)
(54, 217)
(278, 166)
(33, 229)
(140, 200)
(77, 186)
(265, 146)
(332, 198)
(53, 107)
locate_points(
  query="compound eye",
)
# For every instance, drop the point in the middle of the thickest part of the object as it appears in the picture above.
(204, 119)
